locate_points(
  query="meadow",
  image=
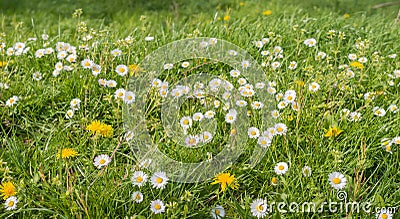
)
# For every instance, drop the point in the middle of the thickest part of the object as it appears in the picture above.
(285, 102)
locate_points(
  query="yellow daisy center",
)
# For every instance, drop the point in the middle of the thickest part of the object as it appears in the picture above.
(157, 206)
(253, 133)
(279, 129)
(10, 203)
(336, 180)
(191, 141)
(217, 212)
(281, 167)
(159, 180)
(259, 208)
(139, 179)
(384, 216)
(102, 161)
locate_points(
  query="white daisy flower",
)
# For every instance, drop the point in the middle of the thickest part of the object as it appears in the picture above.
(257, 105)
(86, 63)
(129, 135)
(119, 94)
(242, 81)
(363, 60)
(129, 97)
(168, 66)
(218, 212)
(281, 168)
(289, 96)
(275, 114)
(282, 104)
(292, 65)
(75, 103)
(111, 83)
(245, 64)
(96, 69)
(159, 180)
(230, 117)
(191, 140)
(306, 171)
(139, 178)
(275, 65)
(264, 141)
(157, 206)
(241, 103)
(271, 90)
(11, 203)
(37, 76)
(232, 53)
(265, 53)
(337, 180)
(234, 73)
(122, 70)
(156, 83)
(12, 101)
(396, 140)
(260, 85)
(310, 42)
(259, 208)
(379, 111)
(101, 160)
(355, 117)
(209, 114)
(384, 214)
(281, 129)
(313, 87)
(198, 116)
(137, 196)
(186, 122)
(207, 137)
(69, 114)
(185, 64)
(253, 132)
(393, 108)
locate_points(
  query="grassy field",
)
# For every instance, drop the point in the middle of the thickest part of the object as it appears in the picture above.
(330, 71)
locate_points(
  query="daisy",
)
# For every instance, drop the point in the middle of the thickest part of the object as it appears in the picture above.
(313, 87)
(129, 97)
(396, 140)
(264, 141)
(386, 143)
(280, 128)
(259, 44)
(295, 106)
(12, 101)
(215, 84)
(310, 42)
(306, 171)
(275, 65)
(209, 114)
(206, 137)
(139, 178)
(213, 41)
(101, 160)
(241, 103)
(199, 93)
(355, 117)
(163, 92)
(137, 196)
(271, 90)
(384, 214)
(11, 203)
(157, 206)
(277, 50)
(282, 104)
(122, 70)
(75, 103)
(259, 208)
(242, 81)
(260, 85)
(69, 114)
(102, 82)
(289, 96)
(198, 116)
(96, 69)
(145, 163)
(218, 212)
(230, 117)
(86, 63)
(37, 76)
(396, 73)
(186, 122)
(217, 103)
(352, 57)
(275, 114)
(185, 64)
(257, 105)
(232, 53)
(111, 83)
(393, 108)
(191, 140)
(120, 93)
(168, 66)
(245, 64)
(350, 73)
(55, 73)
(159, 180)
(320, 56)
(116, 52)
(149, 38)
(379, 111)
(253, 132)
(362, 60)
(265, 53)
(281, 168)
(176, 92)
(337, 180)
(274, 181)
(10, 52)
(292, 65)
(129, 135)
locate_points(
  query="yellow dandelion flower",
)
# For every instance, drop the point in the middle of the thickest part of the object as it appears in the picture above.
(241, 3)
(226, 179)
(267, 12)
(7, 189)
(134, 69)
(299, 83)
(2, 63)
(67, 153)
(97, 127)
(346, 15)
(357, 65)
(227, 17)
(333, 132)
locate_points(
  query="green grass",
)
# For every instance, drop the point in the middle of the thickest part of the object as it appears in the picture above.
(35, 129)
